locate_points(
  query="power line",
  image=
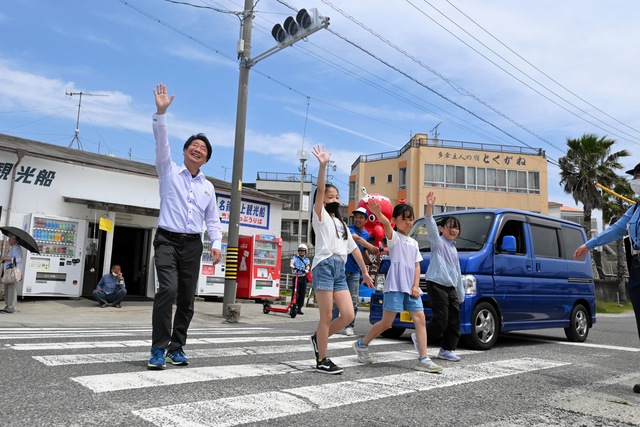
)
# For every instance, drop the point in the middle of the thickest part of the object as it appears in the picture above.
(351, 18)
(516, 78)
(539, 70)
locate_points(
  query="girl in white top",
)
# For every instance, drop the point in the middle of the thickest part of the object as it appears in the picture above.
(333, 242)
(401, 289)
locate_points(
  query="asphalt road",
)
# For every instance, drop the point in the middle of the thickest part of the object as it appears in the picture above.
(70, 363)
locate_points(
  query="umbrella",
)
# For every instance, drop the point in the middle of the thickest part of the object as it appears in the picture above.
(26, 241)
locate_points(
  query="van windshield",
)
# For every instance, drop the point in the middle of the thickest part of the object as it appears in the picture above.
(474, 229)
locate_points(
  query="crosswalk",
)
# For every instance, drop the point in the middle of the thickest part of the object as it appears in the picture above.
(249, 353)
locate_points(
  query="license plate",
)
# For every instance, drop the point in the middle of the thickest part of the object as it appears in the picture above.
(405, 317)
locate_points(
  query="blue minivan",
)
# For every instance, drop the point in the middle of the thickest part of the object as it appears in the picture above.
(518, 273)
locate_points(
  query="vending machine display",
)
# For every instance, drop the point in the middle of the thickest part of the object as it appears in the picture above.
(259, 266)
(58, 269)
(211, 281)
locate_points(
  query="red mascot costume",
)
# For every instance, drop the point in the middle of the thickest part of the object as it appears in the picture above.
(373, 225)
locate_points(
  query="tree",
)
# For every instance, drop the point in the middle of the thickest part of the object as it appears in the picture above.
(589, 161)
(613, 209)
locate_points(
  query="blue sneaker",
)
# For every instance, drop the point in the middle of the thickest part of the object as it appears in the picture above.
(157, 359)
(447, 355)
(176, 357)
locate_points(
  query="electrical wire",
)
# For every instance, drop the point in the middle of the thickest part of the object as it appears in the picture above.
(539, 70)
(519, 80)
(456, 87)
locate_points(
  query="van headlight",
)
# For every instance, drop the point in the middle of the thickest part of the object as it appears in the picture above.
(469, 284)
(380, 283)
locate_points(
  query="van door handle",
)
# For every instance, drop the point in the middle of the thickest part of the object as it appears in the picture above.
(529, 266)
(537, 267)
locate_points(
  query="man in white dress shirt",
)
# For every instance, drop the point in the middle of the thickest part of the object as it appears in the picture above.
(187, 200)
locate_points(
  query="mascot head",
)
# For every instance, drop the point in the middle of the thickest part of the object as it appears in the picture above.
(373, 225)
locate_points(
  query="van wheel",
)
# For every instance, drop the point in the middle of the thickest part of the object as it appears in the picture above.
(484, 327)
(393, 332)
(578, 329)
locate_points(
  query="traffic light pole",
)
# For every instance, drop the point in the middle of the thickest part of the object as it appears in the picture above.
(238, 163)
(308, 22)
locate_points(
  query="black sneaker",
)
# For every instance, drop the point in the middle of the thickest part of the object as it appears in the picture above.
(326, 366)
(636, 388)
(314, 343)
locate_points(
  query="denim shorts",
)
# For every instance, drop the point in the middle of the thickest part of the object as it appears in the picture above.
(329, 275)
(401, 301)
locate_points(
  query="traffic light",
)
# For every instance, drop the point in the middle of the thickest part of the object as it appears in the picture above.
(306, 22)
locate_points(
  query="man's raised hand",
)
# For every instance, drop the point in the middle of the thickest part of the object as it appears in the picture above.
(162, 99)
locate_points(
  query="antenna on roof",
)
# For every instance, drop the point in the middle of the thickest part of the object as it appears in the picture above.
(76, 138)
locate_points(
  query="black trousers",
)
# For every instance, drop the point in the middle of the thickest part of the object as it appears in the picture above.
(634, 293)
(302, 290)
(177, 266)
(446, 315)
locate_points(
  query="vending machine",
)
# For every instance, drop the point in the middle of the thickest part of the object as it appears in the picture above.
(259, 266)
(211, 281)
(59, 268)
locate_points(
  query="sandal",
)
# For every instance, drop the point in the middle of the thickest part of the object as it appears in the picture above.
(116, 306)
(103, 305)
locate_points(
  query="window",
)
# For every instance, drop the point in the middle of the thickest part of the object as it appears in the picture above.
(481, 177)
(545, 241)
(436, 209)
(352, 191)
(513, 228)
(402, 178)
(372, 180)
(572, 239)
(471, 178)
(534, 182)
(433, 175)
(389, 178)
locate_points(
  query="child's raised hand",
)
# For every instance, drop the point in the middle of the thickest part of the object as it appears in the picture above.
(321, 155)
(374, 207)
(431, 198)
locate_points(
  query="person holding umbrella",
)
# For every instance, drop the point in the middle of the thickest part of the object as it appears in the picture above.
(10, 292)
(17, 238)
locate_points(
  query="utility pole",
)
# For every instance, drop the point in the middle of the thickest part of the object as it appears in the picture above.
(306, 23)
(76, 138)
(231, 270)
(225, 172)
(331, 166)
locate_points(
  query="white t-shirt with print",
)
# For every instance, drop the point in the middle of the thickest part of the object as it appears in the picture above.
(327, 241)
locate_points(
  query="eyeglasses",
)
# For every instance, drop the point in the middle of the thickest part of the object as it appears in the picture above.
(452, 227)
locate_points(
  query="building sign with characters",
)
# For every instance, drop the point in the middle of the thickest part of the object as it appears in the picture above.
(27, 175)
(252, 213)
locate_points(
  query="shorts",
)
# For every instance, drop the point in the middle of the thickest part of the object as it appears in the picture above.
(329, 275)
(401, 301)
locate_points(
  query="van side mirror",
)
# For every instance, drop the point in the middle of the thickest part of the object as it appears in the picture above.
(508, 244)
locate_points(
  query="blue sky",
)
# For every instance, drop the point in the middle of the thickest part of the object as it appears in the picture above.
(357, 104)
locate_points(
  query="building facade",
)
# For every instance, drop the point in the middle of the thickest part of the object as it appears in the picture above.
(287, 186)
(463, 175)
(53, 181)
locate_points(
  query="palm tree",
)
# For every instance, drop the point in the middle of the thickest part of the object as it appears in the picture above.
(589, 161)
(612, 210)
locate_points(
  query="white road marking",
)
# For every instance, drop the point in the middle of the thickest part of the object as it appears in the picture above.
(258, 407)
(134, 380)
(580, 344)
(100, 358)
(147, 343)
(124, 333)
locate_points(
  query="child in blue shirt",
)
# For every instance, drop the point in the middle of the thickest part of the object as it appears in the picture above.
(401, 290)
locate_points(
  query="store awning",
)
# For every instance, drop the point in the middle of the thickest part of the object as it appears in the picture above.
(114, 207)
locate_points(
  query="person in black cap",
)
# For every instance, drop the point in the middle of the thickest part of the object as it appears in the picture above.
(630, 219)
